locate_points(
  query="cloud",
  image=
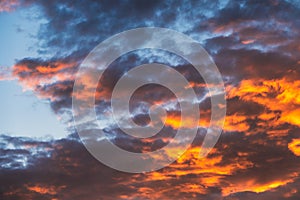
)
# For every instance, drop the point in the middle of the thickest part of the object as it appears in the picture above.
(256, 156)
(68, 171)
(8, 5)
(52, 190)
(294, 146)
(51, 80)
(33, 73)
(5, 74)
(275, 95)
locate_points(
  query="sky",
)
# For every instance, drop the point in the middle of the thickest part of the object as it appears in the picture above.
(18, 41)
(255, 45)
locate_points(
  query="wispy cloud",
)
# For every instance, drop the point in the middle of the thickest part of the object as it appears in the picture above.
(8, 5)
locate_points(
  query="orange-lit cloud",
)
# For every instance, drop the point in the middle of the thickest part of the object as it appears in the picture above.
(276, 95)
(247, 41)
(45, 73)
(232, 122)
(176, 122)
(36, 75)
(252, 186)
(290, 193)
(236, 123)
(44, 189)
(294, 146)
(215, 171)
(8, 5)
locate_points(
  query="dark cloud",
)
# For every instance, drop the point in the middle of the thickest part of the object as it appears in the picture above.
(253, 64)
(63, 169)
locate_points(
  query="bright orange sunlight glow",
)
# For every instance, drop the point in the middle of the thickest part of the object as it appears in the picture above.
(252, 186)
(42, 190)
(294, 146)
(279, 94)
(175, 122)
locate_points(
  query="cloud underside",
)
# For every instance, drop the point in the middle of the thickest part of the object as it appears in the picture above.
(257, 156)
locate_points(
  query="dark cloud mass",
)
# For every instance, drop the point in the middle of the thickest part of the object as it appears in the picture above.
(255, 45)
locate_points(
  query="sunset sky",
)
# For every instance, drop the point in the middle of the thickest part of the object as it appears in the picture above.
(256, 46)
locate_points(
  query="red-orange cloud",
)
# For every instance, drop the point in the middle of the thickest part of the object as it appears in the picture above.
(294, 146)
(275, 95)
(8, 5)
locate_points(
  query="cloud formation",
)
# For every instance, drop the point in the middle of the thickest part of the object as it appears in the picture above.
(257, 156)
(8, 5)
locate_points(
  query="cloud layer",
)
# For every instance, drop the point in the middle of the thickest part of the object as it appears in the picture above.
(257, 156)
